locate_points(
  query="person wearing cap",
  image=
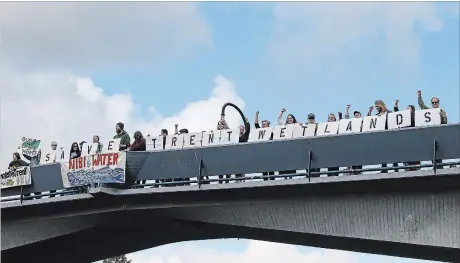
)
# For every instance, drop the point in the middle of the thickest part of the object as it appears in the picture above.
(356, 113)
(434, 103)
(125, 140)
(311, 118)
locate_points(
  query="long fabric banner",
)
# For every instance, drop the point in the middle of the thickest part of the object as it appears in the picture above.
(17, 177)
(95, 168)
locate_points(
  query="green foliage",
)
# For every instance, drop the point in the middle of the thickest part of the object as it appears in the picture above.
(119, 259)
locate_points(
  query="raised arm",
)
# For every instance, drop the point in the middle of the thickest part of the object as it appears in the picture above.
(256, 120)
(176, 131)
(420, 101)
(347, 111)
(280, 117)
(371, 108)
(247, 128)
(395, 108)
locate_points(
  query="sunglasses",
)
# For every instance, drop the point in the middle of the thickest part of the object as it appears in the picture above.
(434, 102)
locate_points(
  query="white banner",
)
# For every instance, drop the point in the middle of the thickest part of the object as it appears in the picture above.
(96, 168)
(17, 177)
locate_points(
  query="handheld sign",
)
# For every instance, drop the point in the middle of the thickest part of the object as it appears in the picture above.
(174, 141)
(399, 119)
(282, 132)
(193, 139)
(261, 134)
(210, 138)
(350, 125)
(428, 117)
(154, 143)
(374, 123)
(229, 136)
(327, 128)
(305, 130)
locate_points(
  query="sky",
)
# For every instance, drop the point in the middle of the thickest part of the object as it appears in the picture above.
(70, 70)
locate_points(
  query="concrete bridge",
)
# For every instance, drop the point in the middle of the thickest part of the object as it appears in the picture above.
(412, 214)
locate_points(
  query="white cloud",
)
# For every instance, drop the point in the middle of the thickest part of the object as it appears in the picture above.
(256, 251)
(89, 35)
(327, 35)
(64, 107)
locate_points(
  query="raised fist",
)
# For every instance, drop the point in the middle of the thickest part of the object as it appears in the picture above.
(283, 110)
(396, 102)
(176, 125)
(419, 93)
(348, 106)
(257, 112)
(371, 108)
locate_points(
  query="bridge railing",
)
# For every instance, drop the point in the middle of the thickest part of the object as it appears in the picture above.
(200, 165)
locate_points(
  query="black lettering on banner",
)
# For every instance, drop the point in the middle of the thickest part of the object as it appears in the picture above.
(349, 128)
(325, 129)
(211, 138)
(399, 119)
(373, 123)
(427, 116)
(261, 134)
(90, 146)
(47, 157)
(229, 134)
(282, 135)
(110, 146)
(154, 140)
(173, 141)
(192, 139)
(304, 130)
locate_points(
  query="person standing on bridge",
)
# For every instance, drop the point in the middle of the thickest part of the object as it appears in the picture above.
(381, 111)
(138, 146)
(222, 125)
(434, 103)
(125, 140)
(412, 124)
(265, 124)
(244, 137)
(290, 119)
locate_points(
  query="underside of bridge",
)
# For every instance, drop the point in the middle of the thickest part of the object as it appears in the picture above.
(414, 216)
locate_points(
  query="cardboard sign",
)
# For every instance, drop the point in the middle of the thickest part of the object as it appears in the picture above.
(282, 132)
(306, 130)
(353, 125)
(374, 123)
(428, 117)
(327, 128)
(399, 119)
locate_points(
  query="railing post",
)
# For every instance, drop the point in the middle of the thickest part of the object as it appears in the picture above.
(435, 155)
(21, 197)
(200, 170)
(310, 156)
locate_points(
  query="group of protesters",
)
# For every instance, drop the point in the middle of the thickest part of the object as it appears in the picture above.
(139, 143)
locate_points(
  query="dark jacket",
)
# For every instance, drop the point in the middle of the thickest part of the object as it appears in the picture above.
(17, 163)
(124, 140)
(138, 145)
(245, 136)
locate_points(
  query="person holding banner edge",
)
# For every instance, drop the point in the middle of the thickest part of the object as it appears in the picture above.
(265, 124)
(435, 104)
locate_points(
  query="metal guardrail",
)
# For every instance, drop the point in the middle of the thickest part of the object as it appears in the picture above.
(178, 182)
